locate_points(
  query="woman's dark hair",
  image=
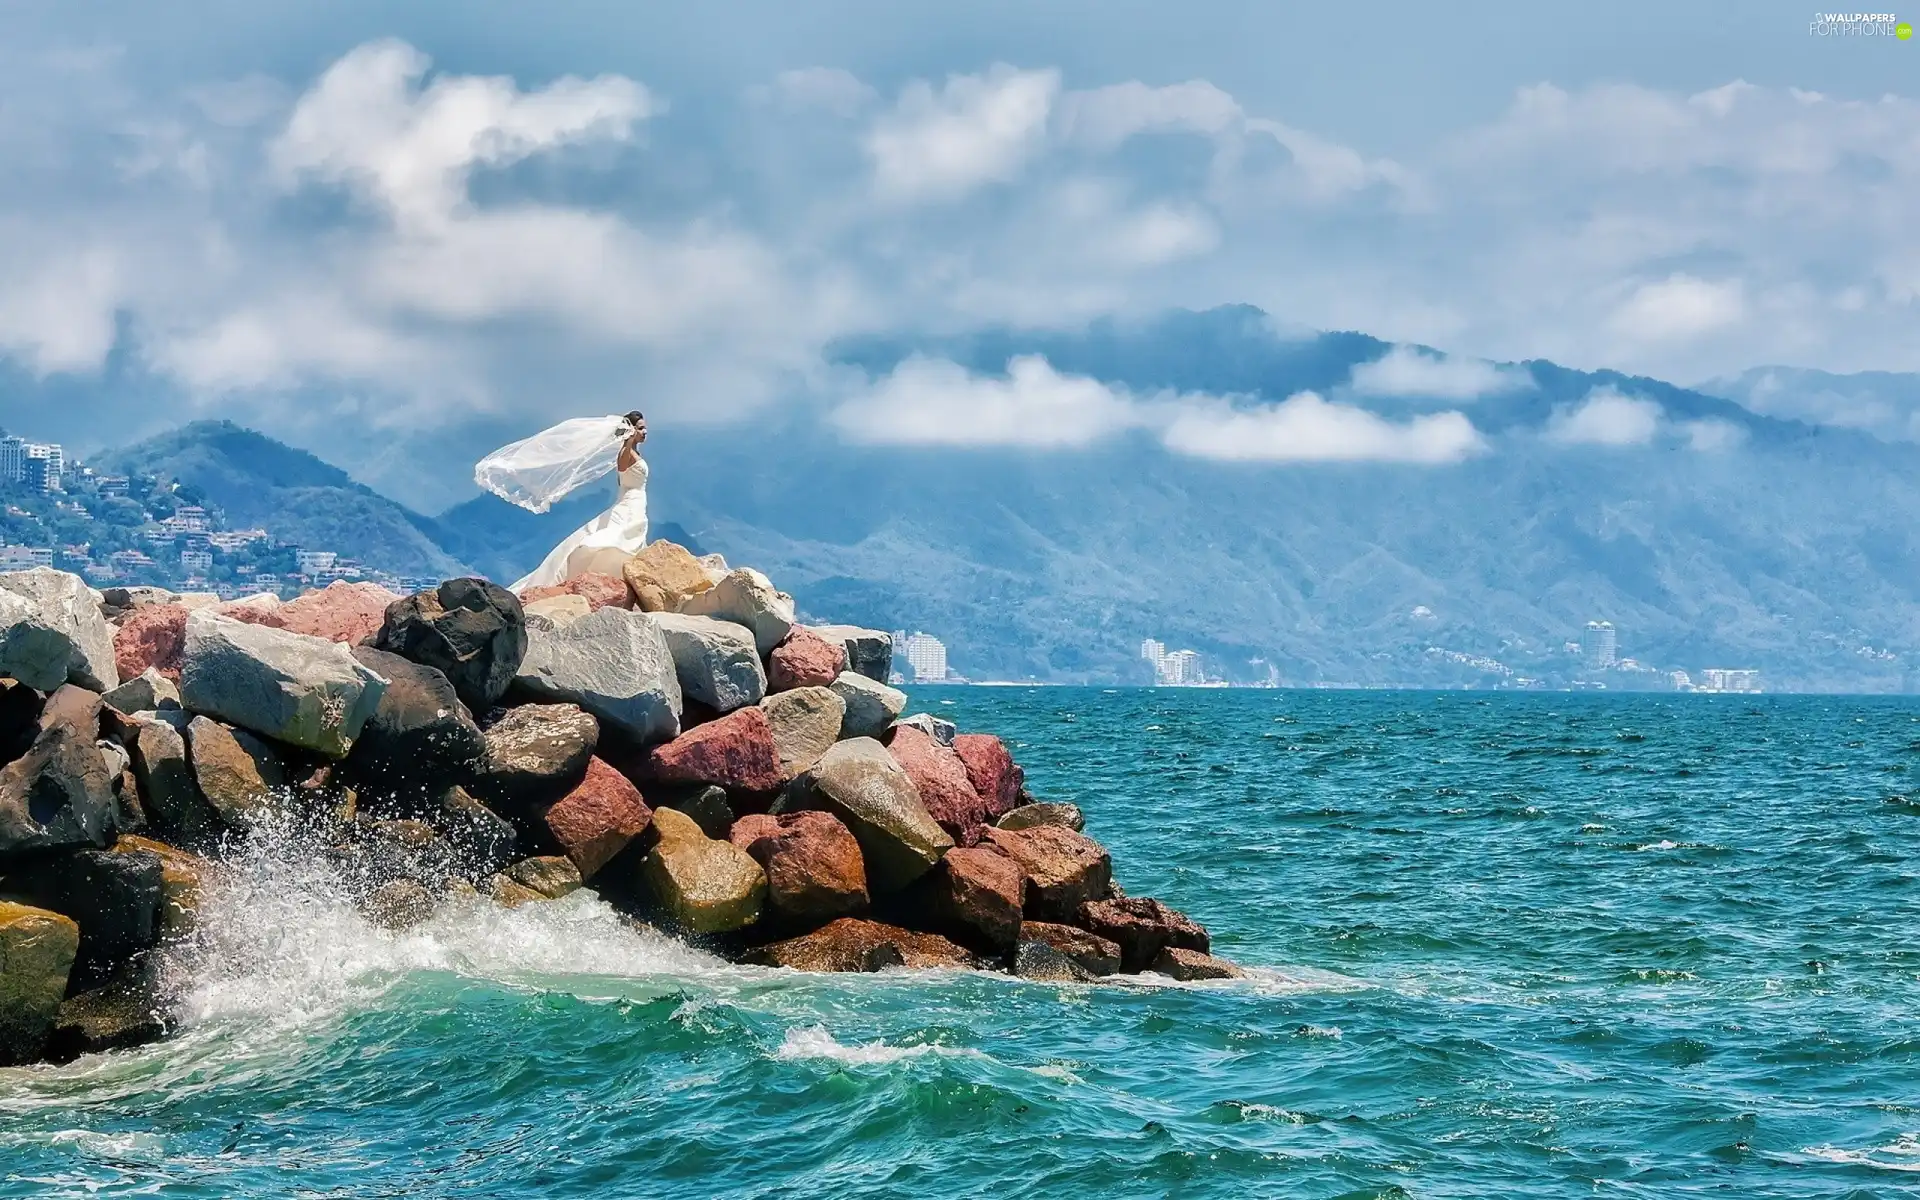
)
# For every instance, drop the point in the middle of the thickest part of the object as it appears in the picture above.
(635, 417)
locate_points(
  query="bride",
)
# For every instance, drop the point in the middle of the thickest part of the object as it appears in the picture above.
(539, 470)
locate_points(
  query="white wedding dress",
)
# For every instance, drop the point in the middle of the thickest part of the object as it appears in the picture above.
(604, 544)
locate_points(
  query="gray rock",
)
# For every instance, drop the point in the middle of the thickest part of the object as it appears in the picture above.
(1043, 964)
(419, 737)
(146, 692)
(59, 793)
(1029, 815)
(869, 651)
(806, 723)
(871, 707)
(52, 632)
(535, 754)
(167, 784)
(615, 664)
(746, 597)
(304, 691)
(716, 661)
(939, 729)
(472, 631)
(859, 782)
(242, 777)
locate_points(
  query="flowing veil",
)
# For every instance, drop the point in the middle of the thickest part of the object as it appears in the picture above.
(534, 472)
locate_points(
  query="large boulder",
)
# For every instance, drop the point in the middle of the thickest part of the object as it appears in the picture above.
(860, 783)
(814, 869)
(472, 631)
(51, 632)
(343, 611)
(701, 884)
(151, 638)
(1142, 927)
(597, 819)
(871, 707)
(991, 770)
(478, 839)
(556, 611)
(242, 777)
(60, 792)
(716, 661)
(614, 663)
(805, 659)
(599, 591)
(1064, 869)
(113, 897)
(1029, 816)
(420, 736)
(851, 944)
(806, 723)
(974, 897)
(546, 877)
(746, 597)
(941, 779)
(37, 949)
(535, 753)
(1095, 954)
(663, 575)
(168, 787)
(735, 752)
(869, 651)
(145, 692)
(1189, 966)
(1043, 964)
(303, 691)
(183, 881)
(939, 729)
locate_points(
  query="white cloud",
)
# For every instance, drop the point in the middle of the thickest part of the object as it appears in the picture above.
(978, 129)
(59, 316)
(837, 91)
(1102, 118)
(1411, 371)
(1712, 435)
(1306, 428)
(1678, 308)
(1606, 418)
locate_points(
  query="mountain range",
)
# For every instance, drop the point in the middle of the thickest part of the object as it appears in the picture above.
(1711, 535)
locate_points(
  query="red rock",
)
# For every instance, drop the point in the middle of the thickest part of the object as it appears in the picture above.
(974, 896)
(597, 819)
(804, 659)
(814, 869)
(735, 752)
(340, 612)
(1090, 950)
(253, 614)
(851, 944)
(600, 591)
(1064, 869)
(992, 771)
(153, 636)
(941, 778)
(1189, 965)
(1142, 927)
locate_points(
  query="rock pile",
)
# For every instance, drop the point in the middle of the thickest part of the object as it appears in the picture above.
(670, 738)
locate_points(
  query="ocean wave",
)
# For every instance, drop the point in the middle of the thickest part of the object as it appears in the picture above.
(815, 1042)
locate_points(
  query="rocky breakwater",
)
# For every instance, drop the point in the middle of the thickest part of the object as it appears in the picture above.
(671, 738)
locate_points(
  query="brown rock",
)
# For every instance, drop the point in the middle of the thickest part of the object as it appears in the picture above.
(736, 752)
(123, 1013)
(804, 659)
(59, 792)
(1042, 963)
(37, 949)
(597, 819)
(1027, 816)
(1093, 952)
(701, 884)
(549, 876)
(664, 574)
(263, 609)
(861, 784)
(991, 770)
(154, 636)
(1064, 869)
(536, 753)
(941, 779)
(973, 896)
(1190, 965)
(238, 773)
(399, 904)
(599, 591)
(813, 864)
(806, 723)
(561, 610)
(508, 894)
(168, 788)
(115, 899)
(851, 944)
(183, 880)
(343, 611)
(1142, 927)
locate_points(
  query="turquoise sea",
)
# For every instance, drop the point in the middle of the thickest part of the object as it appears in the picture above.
(1541, 945)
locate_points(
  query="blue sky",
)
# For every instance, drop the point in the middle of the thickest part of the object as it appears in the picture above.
(329, 219)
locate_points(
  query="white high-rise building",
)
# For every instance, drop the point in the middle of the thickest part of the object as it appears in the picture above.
(1181, 667)
(13, 460)
(1154, 652)
(927, 655)
(1602, 646)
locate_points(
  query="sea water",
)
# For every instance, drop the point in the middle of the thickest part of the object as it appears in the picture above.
(1530, 945)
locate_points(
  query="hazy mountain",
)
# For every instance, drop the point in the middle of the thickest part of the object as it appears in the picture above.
(1883, 403)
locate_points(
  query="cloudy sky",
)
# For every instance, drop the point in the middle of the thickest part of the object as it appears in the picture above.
(332, 219)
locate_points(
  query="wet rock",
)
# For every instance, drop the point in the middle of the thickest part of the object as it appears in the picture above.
(145, 692)
(598, 590)
(1191, 965)
(941, 779)
(860, 783)
(735, 752)
(1043, 964)
(1031, 816)
(1142, 927)
(813, 865)
(974, 897)
(20, 709)
(545, 877)
(613, 663)
(508, 894)
(59, 793)
(1064, 869)
(706, 804)
(344, 611)
(183, 881)
(716, 661)
(242, 777)
(480, 840)
(806, 723)
(170, 791)
(399, 904)
(419, 736)
(871, 707)
(119, 1015)
(852, 944)
(746, 597)
(561, 610)
(702, 885)
(663, 575)
(805, 659)
(1093, 953)
(939, 729)
(113, 897)
(869, 651)
(471, 631)
(535, 753)
(597, 819)
(51, 632)
(151, 639)
(991, 770)
(37, 950)
(303, 691)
